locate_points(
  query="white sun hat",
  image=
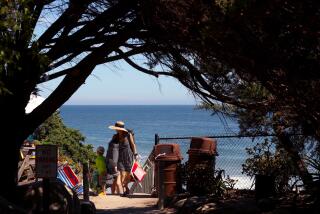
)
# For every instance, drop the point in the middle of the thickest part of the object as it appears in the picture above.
(119, 125)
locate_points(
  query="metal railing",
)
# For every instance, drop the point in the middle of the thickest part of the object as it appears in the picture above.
(231, 153)
(147, 185)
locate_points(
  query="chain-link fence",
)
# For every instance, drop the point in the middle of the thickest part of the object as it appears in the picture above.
(231, 155)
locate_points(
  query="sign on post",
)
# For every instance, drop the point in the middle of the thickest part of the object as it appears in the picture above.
(46, 161)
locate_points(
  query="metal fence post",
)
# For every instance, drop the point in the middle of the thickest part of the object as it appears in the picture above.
(156, 139)
(156, 175)
(85, 171)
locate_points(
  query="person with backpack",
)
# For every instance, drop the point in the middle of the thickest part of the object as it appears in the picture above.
(127, 153)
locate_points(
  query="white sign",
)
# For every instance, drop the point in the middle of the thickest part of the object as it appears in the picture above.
(46, 161)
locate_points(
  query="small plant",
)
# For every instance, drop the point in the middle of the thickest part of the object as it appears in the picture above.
(219, 187)
(230, 183)
(266, 159)
(201, 180)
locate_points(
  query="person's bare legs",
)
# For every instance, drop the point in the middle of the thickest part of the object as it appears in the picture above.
(114, 187)
(118, 185)
(123, 176)
(124, 180)
(104, 189)
(128, 179)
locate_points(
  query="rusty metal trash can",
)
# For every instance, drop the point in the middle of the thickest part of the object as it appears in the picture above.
(202, 151)
(167, 163)
(201, 160)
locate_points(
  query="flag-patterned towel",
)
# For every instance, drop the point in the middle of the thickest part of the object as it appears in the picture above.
(137, 171)
(67, 176)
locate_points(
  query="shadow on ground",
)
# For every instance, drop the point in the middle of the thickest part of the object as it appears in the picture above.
(133, 210)
(139, 196)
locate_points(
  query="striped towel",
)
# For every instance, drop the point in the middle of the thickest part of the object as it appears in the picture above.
(78, 189)
(67, 176)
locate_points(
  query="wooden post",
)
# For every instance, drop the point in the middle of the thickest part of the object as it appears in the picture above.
(85, 171)
(46, 168)
(23, 166)
(46, 195)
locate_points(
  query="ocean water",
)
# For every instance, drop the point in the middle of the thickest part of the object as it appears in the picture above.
(166, 121)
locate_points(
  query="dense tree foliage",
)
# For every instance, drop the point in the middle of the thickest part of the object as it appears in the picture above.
(256, 55)
(260, 58)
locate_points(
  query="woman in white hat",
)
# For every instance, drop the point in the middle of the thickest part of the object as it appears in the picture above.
(127, 152)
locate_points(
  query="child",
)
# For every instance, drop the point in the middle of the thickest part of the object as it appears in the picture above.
(101, 169)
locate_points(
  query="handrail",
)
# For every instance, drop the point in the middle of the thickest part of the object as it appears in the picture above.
(147, 184)
(24, 164)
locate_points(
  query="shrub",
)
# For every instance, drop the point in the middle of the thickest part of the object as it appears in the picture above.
(69, 141)
(201, 180)
(266, 159)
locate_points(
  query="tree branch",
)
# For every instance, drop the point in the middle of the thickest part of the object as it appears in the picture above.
(53, 29)
(36, 7)
(144, 70)
(198, 79)
(120, 56)
(92, 29)
(75, 78)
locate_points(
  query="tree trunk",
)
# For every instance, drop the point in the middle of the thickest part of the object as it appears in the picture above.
(9, 166)
(12, 136)
(299, 164)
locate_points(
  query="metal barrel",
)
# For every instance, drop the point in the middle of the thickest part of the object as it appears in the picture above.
(202, 154)
(168, 159)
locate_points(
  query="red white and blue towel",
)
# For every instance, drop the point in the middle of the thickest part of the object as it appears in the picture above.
(67, 176)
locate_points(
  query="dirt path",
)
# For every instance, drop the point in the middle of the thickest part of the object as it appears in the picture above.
(133, 204)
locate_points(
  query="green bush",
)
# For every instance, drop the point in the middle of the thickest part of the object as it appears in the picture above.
(69, 141)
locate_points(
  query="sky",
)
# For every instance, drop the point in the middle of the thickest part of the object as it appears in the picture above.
(120, 84)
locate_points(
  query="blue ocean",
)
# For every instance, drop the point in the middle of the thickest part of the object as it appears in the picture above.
(166, 121)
